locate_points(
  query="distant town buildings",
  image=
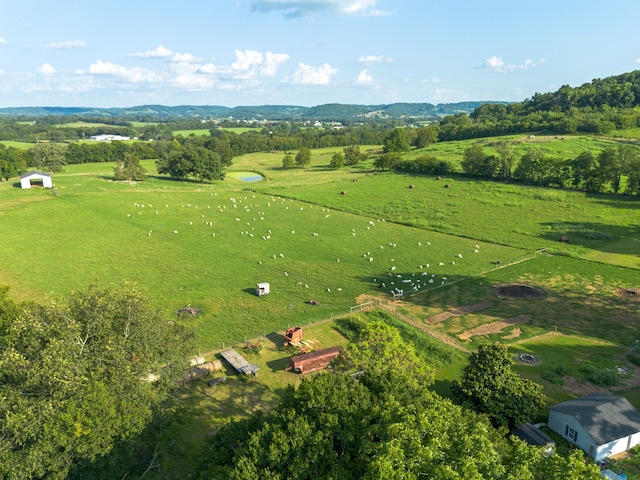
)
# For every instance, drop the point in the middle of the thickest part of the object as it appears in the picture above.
(107, 138)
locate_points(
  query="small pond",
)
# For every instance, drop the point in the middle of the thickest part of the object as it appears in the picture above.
(245, 176)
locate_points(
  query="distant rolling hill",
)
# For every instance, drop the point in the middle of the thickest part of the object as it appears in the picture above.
(331, 111)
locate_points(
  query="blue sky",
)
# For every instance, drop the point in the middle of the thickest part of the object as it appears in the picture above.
(307, 52)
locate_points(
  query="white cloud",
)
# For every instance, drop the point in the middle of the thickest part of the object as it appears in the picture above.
(374, 59)
(305, 9)
(248, 64)
(2, 40)
(637, 60)
(497, 64)
(46, 69)
(134, 75)
(272, 62)
(194, 82)
(68, 44)
(309, 75)
(432, 80)
(493, 62)
(159, 52)
(364, 78)
(107, 68)
(184, 57)
(246, 61)
(212, 68)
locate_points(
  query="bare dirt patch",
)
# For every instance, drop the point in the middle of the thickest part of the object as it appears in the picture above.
(456, 311)
(515, 290)
(496, 327)
(632, 293)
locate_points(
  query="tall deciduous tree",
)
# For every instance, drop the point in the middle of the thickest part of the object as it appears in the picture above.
(191, 160)
(425, 136)
(47, 156)
(303, 157)
(288, 161)
(397, 141)
(489, 385)
(73, 378)
(337, 160)
(129, 169)
(353, 155)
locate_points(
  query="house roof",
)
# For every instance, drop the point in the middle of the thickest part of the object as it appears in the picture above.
(604, 417)
(35, 172)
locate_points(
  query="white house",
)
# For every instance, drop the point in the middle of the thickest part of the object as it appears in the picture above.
(602, 425)
(34, 175)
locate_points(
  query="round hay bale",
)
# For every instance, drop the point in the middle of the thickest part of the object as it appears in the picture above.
(195, 361)
(438, 178)
(446, 185)
(343, 192)
(412, 186)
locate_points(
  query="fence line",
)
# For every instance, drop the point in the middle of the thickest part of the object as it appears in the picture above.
(379, 302)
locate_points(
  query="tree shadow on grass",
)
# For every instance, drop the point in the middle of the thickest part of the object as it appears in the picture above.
(597, 236)
(279, 364)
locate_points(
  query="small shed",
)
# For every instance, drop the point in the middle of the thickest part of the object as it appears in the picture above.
(26, 179)
(292, 335)
(262, 289)
(317, 360)
(238, 362)
(602, 425)
(527, 432)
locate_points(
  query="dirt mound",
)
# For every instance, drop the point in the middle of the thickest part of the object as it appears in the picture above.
(514, 290)
(632, 293)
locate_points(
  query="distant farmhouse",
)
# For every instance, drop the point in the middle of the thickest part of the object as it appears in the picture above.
(601, 425)
(37, 178)
(107, 138)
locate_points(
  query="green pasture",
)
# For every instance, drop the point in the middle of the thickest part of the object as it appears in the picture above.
(96, 231)
(524, 217)
(196, 132)
(556, 146)
(21, 145)
(336, 236)
(580, 298)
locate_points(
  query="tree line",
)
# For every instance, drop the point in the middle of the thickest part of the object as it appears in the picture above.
(615, 169)
(597, 107)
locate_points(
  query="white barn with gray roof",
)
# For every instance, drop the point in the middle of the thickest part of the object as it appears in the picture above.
(602, 425)
(43, 177)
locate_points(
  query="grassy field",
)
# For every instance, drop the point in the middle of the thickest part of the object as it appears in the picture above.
(337, 237)
(556, 146)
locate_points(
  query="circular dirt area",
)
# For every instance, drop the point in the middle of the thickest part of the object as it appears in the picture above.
(513, 290)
